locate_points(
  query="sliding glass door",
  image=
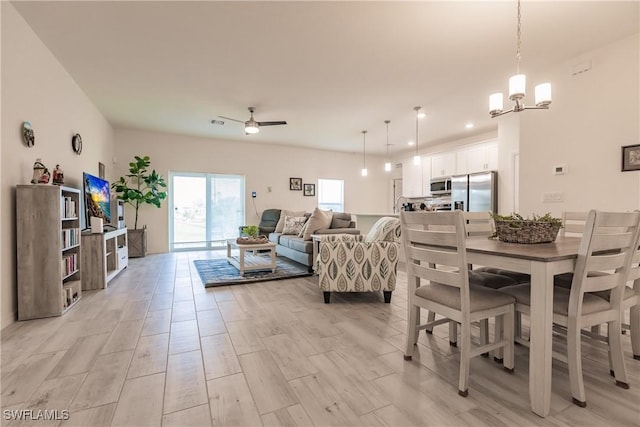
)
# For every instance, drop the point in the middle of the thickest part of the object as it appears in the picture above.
(206, 209)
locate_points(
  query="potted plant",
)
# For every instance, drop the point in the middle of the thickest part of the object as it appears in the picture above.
(140, 187)
(251, 230)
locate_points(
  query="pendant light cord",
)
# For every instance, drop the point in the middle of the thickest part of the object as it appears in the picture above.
(387, 123)
(519, 33)
(364, 143)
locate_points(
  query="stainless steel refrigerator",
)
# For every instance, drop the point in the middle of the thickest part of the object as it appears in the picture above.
(476, 192)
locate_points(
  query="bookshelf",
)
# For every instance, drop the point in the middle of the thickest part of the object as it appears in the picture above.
(48, 250)
(104, 255)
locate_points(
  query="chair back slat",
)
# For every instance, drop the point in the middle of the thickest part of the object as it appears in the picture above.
(434, 275)
(616, 234)
(431, 238)
(601, 283)
(607, 242)
(433, 254)
(608, 262)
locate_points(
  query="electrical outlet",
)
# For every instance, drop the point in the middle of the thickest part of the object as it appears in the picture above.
(553, 197)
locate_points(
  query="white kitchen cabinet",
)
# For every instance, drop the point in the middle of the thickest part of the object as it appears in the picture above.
(426, 175)
(443, 164)
(411, 179)
(477, 158)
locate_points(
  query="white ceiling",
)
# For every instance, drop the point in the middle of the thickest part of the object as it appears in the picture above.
(330, 69)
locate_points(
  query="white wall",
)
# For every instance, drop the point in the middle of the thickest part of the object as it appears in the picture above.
(262, 165)
(592, 116)
(508, 148)
(36, 88)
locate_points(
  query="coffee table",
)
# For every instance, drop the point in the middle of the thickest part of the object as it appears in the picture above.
(246, 260)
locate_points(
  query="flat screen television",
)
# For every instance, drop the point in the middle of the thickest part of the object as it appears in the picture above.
(97, 198)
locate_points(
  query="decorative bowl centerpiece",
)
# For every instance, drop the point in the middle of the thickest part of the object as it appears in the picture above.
(516, 229)
(251, 236)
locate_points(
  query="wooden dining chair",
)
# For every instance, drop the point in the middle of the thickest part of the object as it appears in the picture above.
(438, 281)
(573, 223)
(608, 245)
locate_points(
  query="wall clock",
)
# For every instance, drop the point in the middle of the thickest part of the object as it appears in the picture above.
(76, 143)
(27, 134)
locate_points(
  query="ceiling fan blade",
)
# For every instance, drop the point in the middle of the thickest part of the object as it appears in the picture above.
(229, 118)
(282, 122)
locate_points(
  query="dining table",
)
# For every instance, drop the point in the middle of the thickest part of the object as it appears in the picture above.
(542, 261)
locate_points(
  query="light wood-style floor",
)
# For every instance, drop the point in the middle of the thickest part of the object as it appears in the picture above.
(157, 348)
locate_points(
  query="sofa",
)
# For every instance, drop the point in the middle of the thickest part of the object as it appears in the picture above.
(299, 247)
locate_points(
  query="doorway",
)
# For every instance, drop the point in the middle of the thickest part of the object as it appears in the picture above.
(205, 210)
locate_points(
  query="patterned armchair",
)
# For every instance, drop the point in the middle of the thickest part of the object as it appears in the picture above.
(348, 263)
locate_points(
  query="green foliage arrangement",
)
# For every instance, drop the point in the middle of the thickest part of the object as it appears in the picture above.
(140, 187)
(251, 230)
(518, 219)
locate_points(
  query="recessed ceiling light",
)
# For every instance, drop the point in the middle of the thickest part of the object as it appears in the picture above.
(469, 125)
(411, 143)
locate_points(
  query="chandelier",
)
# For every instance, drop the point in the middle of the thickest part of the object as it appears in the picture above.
(517, 85)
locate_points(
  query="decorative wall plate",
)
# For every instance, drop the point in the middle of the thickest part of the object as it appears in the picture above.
(76, 143)
(27, 134)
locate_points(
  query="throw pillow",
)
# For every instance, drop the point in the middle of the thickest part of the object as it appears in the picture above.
(319, 220)
(304, 229)
(283, 215)
(340, 220)
(293, 224)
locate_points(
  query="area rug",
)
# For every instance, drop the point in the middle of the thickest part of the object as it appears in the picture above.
(218, 272)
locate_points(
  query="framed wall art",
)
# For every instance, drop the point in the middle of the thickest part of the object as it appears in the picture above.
(631, 158)
(309, 189)
(295, 184)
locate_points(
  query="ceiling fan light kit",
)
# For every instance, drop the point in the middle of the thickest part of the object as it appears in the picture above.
(252, 126)
(517, 88)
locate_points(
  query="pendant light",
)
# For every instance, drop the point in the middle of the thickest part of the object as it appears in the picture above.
(517, 85)
(364, 171)
(387, 164)
(416, 159)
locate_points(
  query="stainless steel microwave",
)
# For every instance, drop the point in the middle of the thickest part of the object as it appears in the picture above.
(441, 186)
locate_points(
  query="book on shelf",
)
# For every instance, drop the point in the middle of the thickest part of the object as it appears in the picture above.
(68, 207)
(69, 263)
(70, 237)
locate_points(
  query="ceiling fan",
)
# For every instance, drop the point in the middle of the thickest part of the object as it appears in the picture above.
(252, 126)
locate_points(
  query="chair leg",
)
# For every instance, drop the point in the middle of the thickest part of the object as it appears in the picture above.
(327, 297)
(508, 335)
(499, 330)
(634, 322)
(517, 325)
(431, 316)
(615, 349)
(465, 359)
(574, 360)
(387, 296)
(453, 333)
(484, 334)
(412, 332)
